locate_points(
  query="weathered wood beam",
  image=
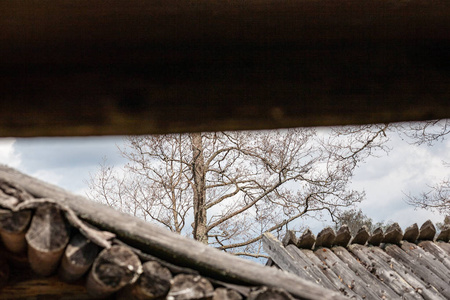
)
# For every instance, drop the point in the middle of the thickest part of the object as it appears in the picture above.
(133, 67)
(170, 246)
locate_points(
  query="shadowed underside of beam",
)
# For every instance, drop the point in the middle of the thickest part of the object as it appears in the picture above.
(133, 67)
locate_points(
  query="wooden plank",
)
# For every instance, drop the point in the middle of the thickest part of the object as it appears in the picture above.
(245, 64)
(444, 246)
(427, 291)
(309, 268)
(275, 249)
(381, 269)
(170, 246)
(333, 277)
(376, 285)
(428, 259)
(419, 267)
(347, 276)
(437, 252)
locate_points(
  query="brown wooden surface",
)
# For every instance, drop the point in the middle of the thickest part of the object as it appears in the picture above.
(170, 246)
(47, 238)
(309, 268)
(153, 283)
(382, 270)
(428, 292)
(420, 267)
(131, 67)
(113, 269)
(12, 229)
(377, 285)
(78, 257)
(186, 287)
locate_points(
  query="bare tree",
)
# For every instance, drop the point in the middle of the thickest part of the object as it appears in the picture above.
(233, 186)
(437, 198)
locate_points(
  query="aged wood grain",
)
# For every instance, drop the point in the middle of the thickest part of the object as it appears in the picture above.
(170, 246)
(384, 271)
(420, 268)
(411, 233)
(286, 261)
(154, 283)
(428, 260)
(325, 237)
(437, 252)
(393, 234)
(377, 237)
(187, 287)
(113, 269)
(269, 294)
(226, 294)
(84, 68)
(444, 235)
(343, 236)
(333, 277)
(361, 236)
(306, 267)
(427, 291)
(13, 226)
(377, 285)
(47, 238)
(306, 240)
(346, 275)
(78, 257)
(427, 231)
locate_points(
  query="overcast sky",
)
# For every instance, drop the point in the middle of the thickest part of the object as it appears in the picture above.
(68, 163)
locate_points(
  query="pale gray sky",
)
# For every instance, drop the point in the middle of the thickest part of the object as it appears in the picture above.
(68, 163)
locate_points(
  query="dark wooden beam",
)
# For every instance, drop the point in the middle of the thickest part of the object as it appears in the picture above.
(135, 67)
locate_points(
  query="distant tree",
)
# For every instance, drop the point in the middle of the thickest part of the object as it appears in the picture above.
(355, 219)
(233, 186)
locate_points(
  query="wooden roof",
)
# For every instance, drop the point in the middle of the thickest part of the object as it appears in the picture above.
(378, 265)
(139, 67)
(56, 244)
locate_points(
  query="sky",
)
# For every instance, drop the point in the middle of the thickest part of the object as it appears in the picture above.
(69, 163)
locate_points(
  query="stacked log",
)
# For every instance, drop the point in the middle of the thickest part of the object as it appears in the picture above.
(42, 232)
(47, 239)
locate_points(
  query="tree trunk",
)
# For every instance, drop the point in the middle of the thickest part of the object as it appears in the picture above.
(200, 232)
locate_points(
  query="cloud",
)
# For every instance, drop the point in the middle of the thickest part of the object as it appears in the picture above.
(8, 155)
(66, 162)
